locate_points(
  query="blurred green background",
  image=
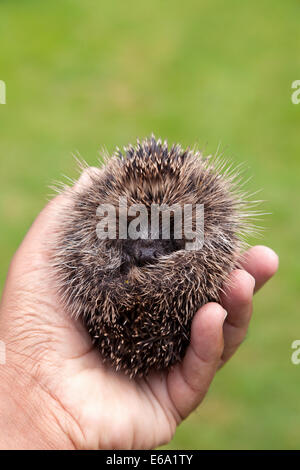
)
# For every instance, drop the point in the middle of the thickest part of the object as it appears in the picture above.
(81, 75)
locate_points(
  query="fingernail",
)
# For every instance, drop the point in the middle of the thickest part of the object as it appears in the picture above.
(225, 314)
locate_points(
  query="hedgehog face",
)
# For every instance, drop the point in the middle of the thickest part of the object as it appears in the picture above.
(148, 245)
(137, 297)
(139, 253)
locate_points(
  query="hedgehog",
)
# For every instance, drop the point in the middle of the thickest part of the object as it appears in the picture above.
(137, 295)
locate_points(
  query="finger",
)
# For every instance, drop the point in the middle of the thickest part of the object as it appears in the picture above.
(189, 380)
(237, 301)
(261, 262)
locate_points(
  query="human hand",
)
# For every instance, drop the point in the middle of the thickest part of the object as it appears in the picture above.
(55, 392)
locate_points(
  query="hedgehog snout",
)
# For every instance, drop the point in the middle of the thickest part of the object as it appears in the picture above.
(144, 251)
(145, 254)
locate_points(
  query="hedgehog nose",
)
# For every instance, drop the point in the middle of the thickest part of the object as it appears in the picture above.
(145, 254)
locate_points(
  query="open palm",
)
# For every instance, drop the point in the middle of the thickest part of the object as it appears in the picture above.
(62, 388)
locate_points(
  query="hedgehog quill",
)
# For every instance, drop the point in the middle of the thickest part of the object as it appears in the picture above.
(135, 284)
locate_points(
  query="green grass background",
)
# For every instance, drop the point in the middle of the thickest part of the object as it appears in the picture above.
(81, 75)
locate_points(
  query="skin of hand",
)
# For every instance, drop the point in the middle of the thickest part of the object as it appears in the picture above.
(56, 393)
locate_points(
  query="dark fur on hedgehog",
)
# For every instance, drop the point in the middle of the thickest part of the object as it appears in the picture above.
(138, 298)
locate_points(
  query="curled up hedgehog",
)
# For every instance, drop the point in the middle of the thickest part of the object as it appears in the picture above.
(136, 288)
